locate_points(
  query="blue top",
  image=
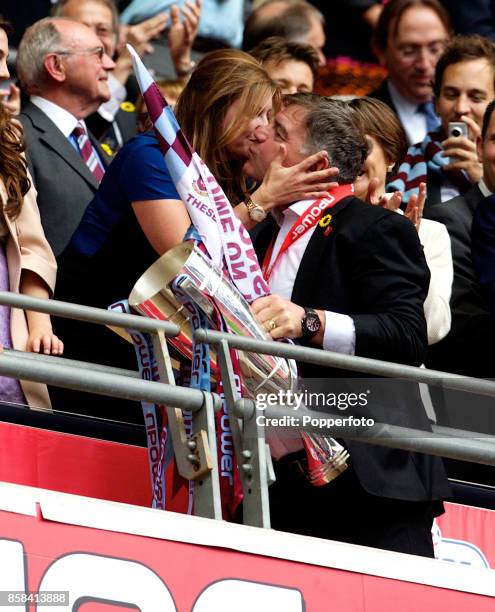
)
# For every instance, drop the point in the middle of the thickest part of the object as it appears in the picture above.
(137, 173)
(109, 251)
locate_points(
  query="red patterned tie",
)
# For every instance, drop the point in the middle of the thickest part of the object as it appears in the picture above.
(88, 153)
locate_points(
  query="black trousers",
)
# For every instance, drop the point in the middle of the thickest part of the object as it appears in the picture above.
(342, 510)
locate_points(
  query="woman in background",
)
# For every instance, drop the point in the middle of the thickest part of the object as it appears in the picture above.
(27, 264)
(387, 147)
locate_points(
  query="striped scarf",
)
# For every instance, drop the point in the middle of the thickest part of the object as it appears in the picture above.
(421, 158)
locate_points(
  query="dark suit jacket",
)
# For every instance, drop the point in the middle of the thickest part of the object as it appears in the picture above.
(472, 334)
(64, 183)
(371, 266)
(103, 130)
(483, 249)
(383, 94)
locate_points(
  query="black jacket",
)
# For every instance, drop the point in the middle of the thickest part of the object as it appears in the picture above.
(371, 266)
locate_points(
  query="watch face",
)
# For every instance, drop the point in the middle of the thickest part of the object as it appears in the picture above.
(257, 214)
(312, 322)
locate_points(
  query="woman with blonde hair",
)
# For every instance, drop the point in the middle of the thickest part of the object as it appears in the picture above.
(27, 264)
(137, 214)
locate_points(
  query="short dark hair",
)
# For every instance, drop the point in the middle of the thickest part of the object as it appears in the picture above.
(463, 49)
(293, 22)
(5, 26)
(392, 14)
(332, 127)
(278, 49)
(379, 121)
(486, 118)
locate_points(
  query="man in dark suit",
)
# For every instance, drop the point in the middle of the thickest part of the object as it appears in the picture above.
(352, 280)
(408, 40)
(64, 68)
(472, 335)
(461, 351)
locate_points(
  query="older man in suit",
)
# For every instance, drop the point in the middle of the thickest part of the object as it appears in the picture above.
(368, 301)
(63, 67)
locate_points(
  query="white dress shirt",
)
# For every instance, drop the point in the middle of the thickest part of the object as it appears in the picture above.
(484, 189)
(414, 123)
(340, 334)
(65, 121)
(118, 93)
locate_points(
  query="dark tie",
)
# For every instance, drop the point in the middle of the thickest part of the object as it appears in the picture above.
(432, 120)
(88, 153)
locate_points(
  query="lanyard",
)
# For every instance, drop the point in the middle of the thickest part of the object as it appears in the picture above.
(304, 223)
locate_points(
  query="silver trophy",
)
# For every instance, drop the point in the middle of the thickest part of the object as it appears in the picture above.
(208, 287)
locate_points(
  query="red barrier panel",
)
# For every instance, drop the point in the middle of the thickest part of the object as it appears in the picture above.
(190, 564)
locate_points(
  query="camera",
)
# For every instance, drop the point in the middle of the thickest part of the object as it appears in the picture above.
(457, 128)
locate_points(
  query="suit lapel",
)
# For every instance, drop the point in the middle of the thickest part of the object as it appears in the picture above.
(473, 198)
(53, 138)
(313, 256)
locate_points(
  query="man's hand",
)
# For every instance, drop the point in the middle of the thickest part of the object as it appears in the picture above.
(463, 150)
(140, 35)
(182, 35)
(279, 317)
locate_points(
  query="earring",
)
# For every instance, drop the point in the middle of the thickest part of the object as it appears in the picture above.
(390, 168)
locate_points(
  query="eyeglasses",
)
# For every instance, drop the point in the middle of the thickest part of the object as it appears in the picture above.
(98, 51)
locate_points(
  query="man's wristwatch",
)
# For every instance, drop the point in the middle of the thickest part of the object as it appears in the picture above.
(255, 212)
(310, 324)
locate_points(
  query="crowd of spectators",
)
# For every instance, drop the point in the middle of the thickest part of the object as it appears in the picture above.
(82, 180)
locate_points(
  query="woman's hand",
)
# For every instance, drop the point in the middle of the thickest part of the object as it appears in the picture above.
(392, 201)
(42, 340)
(11, 99)
(282, 185)
(414, 209)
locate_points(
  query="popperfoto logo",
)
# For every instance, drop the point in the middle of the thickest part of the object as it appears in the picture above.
(299, 401)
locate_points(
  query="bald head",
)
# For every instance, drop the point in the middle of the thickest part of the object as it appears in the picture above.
(293, 20)
(269, 10)
(64, 61)
(99, 15)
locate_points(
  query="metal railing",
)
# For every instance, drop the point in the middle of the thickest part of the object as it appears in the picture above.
(194, 455)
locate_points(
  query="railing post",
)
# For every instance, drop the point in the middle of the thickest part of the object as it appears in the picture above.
(195, 456)
(249, 447)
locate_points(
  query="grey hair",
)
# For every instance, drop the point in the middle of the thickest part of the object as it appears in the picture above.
(332, 127)
(39, 39)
